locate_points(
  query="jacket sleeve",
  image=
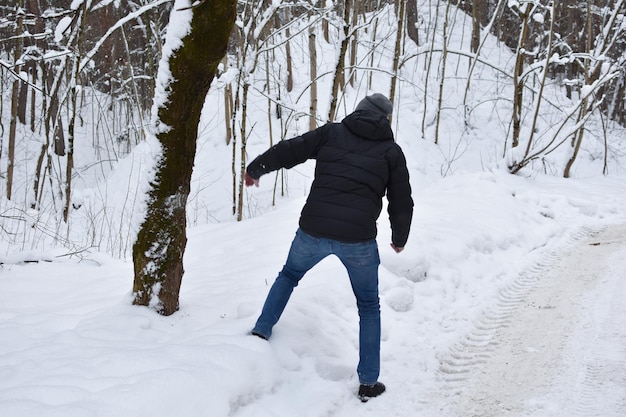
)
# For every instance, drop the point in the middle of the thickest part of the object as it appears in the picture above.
(400, 207)
(287, 153)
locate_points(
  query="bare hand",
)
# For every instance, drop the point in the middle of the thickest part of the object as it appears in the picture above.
(398, 249)
(250, 181)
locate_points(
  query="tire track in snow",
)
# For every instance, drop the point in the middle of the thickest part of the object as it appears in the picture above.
(522, 348)
(599, 376)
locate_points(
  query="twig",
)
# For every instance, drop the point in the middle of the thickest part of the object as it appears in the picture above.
(607, 242)
(193, 6)
(18, 77)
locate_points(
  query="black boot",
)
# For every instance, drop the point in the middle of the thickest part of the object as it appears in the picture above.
(369, 391)
(257, 334)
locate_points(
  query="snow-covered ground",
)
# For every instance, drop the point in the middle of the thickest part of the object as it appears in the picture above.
(498, 307)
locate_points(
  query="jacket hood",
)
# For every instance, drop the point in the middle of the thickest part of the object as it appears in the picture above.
(368, 125)
(376, 103)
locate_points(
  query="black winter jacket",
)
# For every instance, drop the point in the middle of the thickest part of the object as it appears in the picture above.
(357, 163)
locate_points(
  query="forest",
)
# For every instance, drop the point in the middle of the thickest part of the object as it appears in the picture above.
(77, 83)
(125, 130)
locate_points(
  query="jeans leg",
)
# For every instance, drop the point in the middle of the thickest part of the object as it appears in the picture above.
(361, 261)
(305, 252)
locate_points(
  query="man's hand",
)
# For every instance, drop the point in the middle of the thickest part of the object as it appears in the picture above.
(250, 181)
(397, 248)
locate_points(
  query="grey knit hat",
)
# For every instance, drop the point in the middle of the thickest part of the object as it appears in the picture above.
(376, 103)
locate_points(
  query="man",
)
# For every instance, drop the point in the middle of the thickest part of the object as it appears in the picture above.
(358, 162)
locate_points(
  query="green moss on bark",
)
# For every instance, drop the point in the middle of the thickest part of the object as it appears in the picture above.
(160, 246)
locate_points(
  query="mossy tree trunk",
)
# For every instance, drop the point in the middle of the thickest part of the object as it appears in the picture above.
(158, 251)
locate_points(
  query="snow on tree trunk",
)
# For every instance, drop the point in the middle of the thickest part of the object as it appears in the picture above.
(160, 245)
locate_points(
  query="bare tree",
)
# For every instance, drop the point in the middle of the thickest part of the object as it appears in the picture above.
(429, 63)
(340, 65)
(73, 93)
(525, 12)
(605, 42)
(158, 251)
(313, 77)
(400, 7)
(357, 7)
(251, 43)
(478, 12)
(411, 21)
(597, 74)
(15, 99)
(444, 58)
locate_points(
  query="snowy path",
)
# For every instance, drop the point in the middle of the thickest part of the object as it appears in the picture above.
(553, 345)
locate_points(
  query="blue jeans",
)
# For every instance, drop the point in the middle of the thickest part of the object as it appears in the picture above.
(361, 261)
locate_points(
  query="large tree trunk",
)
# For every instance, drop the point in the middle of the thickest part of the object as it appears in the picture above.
(158, 251)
